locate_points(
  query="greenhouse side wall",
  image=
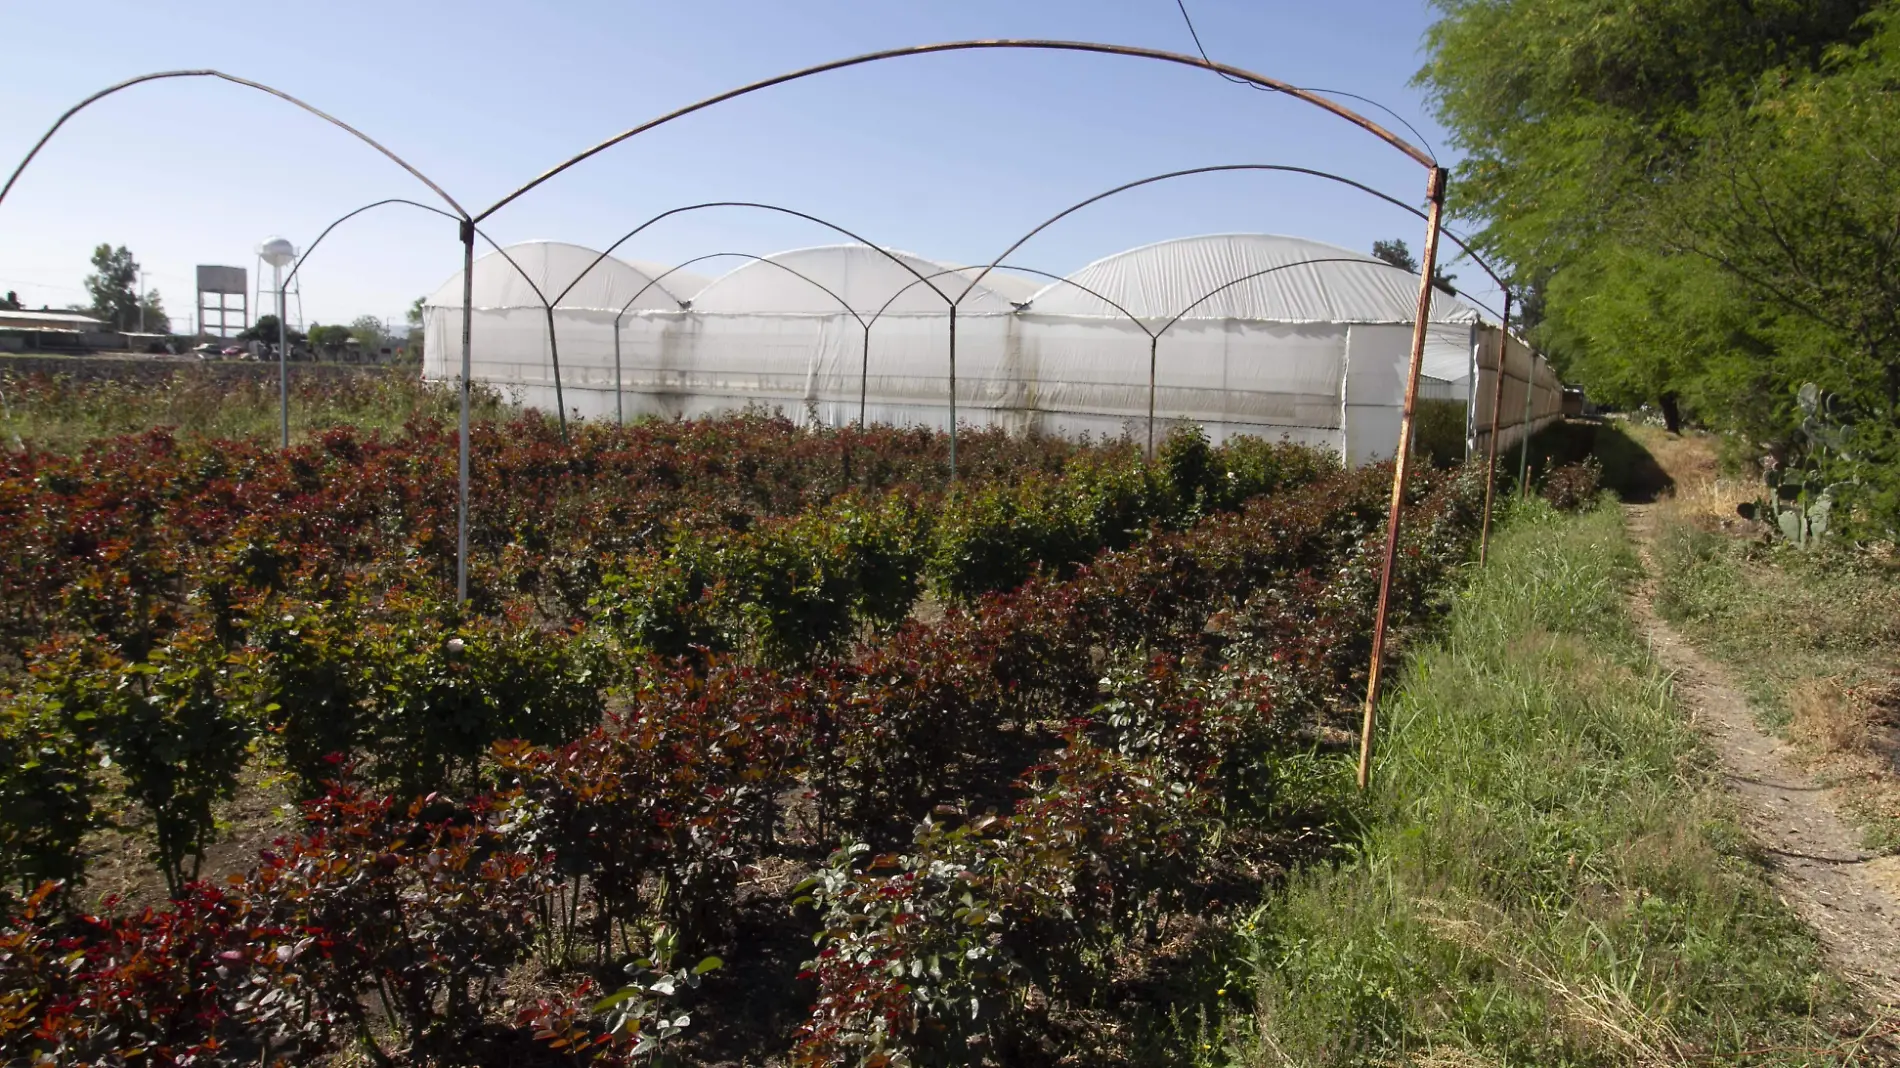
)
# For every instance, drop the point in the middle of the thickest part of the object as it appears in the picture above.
(1325, 384)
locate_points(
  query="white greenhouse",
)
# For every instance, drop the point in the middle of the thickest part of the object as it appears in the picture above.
(1244, 334)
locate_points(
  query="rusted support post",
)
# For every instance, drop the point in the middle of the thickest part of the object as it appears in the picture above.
(462, 447)
(1435, 195)
(1491, 453)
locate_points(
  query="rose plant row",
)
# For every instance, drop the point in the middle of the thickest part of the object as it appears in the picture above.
(326, 650)
(1090, 804)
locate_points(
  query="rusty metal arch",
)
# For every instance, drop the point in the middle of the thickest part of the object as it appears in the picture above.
(1416, 154)
(1434, 195)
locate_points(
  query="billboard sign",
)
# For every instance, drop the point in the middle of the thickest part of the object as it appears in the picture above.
(221, 280)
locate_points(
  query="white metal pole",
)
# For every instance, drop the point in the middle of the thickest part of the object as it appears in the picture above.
(461, 493)
(283, 355)
(620, 408)
(953, 392)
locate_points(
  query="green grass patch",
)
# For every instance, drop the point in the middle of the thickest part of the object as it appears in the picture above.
(1813, 637)
(1548, 872)
(62, 412)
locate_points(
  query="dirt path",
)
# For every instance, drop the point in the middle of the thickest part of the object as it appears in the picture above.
(1850, 897)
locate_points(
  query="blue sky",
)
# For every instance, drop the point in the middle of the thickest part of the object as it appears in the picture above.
(950, 156)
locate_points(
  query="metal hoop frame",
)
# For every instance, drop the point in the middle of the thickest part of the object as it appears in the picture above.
(1435, 197)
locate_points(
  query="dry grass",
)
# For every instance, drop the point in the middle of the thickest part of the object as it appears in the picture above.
(1829, 716)
(1814, 636)
(1704, 494)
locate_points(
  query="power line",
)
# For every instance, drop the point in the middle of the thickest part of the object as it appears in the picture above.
(1198, 47)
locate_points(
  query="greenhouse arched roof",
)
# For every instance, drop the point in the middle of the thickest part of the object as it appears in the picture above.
(1159, 281)
(864, 277)
(605, 286)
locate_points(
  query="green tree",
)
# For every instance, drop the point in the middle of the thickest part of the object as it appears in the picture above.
(265, 329)
(369, 334)
(1399, 254)
(1703, 198)
(10, 302)
(330, 340)
(113, 286)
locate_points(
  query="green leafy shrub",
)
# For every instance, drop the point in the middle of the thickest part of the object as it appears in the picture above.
(889, 542)
(791, 587)
(1573, 487)
(1254, 467)
(662, 601)
(1438, 431)
(994, 537)
(444, 688)
(310, 685)
(1189, 470)
(179, 728)
(46, 792)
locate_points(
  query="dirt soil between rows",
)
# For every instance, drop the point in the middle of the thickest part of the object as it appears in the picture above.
(1849, 896)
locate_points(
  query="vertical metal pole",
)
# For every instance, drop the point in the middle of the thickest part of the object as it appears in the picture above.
(1435, 194)
(283, 356)
(1491, 453)
(554, 354)
(1524, 440)
(864, 375)
(953, 392)
(462, 446)
(1154, 342)
(620, 409)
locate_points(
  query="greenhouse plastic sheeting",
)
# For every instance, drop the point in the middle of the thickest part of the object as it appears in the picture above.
(1527, 375)
(1277, 356)
(1251, 276)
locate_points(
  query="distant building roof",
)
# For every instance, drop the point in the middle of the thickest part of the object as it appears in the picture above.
(49, 320)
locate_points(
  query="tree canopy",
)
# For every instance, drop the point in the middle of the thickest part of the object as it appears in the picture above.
(1698, 201)
(113, 286)
(264, 329)
(1399, 254)
(368, 332)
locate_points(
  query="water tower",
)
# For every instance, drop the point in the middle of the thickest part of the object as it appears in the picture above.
(293, 292)
(280, 254)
